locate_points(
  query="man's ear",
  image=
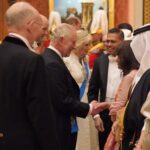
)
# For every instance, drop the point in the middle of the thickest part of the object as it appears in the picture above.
(29, 25)
(61, 41)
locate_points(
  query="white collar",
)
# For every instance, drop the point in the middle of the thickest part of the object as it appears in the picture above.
(55, 50)
(112, 58)
(22, 39)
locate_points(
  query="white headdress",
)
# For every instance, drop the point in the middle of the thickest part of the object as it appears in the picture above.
(141, 48)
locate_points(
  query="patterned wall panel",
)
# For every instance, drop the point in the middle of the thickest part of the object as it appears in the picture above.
(146, 11)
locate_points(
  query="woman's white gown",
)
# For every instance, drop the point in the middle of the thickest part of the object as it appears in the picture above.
(87, 135)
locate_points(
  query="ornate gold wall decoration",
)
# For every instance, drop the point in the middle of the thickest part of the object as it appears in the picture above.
(146, 11)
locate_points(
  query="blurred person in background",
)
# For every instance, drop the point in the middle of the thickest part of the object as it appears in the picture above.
(74, 21)
(44, 41)
(54, 21)
(97, 47)
(100, 21)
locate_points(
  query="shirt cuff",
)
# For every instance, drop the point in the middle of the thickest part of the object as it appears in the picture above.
(96, 116)
(90, 109)
(146, 125)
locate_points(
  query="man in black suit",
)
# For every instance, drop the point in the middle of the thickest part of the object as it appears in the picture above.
(104, 80)
(64, 89)
(26, 114)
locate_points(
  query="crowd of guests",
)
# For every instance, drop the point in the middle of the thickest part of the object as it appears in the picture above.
(65, 88)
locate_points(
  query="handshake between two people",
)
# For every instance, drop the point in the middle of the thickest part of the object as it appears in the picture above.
(97, 107)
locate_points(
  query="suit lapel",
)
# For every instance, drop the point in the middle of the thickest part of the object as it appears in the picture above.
(104, 72)
(61, 62)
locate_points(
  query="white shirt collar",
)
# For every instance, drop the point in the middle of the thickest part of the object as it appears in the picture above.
(22, 39)
(113, 79)
(55, 50)
(112, 58)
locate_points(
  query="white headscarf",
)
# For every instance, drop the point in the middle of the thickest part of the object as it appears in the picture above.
(141, 49)
(127, 34)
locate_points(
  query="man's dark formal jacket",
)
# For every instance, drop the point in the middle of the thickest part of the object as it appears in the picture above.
(98, 80)
(65, 96)
(133, 119)
(26, 116)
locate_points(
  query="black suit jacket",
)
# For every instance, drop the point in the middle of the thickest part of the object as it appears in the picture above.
(133, 119)
(98, 80)
(26, 115)
(65, 96)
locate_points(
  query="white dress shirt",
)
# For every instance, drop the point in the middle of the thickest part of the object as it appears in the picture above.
(114, 78)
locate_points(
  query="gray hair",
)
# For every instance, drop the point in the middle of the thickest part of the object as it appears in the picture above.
(63, 30)
(20, 12)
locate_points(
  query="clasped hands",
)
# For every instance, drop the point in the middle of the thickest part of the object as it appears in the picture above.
(98, 106)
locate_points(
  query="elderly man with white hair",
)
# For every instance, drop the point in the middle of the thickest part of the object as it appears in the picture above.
(26, 115)
(64, 89)
(133, 119)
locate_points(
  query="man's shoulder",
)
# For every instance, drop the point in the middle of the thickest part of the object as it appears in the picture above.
(26, 52)
(16, 49)
(51, 58)
(48, 55)
(103, 57)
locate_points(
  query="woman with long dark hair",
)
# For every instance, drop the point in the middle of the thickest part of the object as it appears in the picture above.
(129, 66)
